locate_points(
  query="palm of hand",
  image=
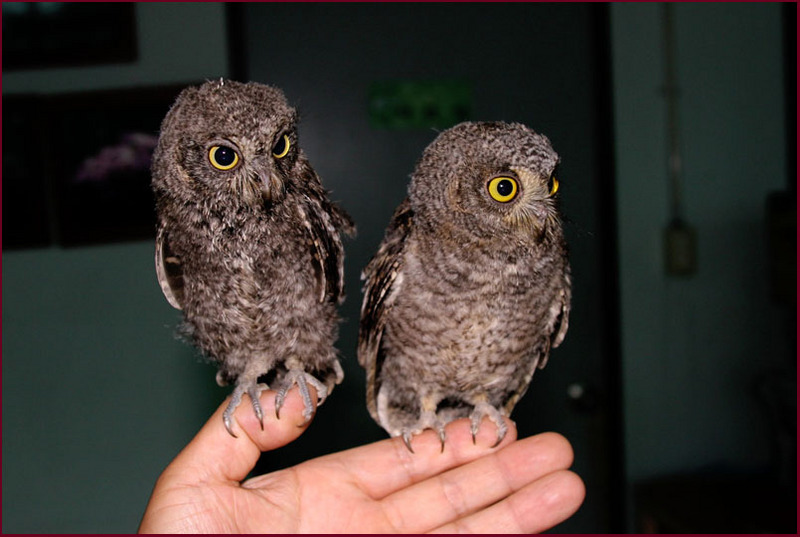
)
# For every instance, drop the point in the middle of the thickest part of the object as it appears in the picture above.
(520, 486)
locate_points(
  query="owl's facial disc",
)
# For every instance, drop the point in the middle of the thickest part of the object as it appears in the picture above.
(535, 207)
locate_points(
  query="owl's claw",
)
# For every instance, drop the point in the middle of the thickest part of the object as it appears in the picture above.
(440, 430)
(302, 379)
(254, 391)
(257, 409)
(408, 435)
(485, 409)
(427, 420)
(407, 440)
(227, 415)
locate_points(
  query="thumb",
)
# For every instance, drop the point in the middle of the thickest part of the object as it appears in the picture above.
(214, 455)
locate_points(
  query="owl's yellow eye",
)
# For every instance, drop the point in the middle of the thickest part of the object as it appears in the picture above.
(502, 189)
(281, 149)
(553, 184)
(223, 157)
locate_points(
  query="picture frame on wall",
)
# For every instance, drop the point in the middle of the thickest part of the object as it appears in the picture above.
(101, 146)
(27, 214)
(38, 35)
(87, 178)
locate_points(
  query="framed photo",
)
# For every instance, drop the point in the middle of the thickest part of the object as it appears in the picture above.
(27, 213)
(76, 167)
(101, 145)
(67, 34)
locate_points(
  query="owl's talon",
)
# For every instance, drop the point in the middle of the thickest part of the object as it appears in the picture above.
(408, 435)
(226, 419)
(227, 415)
(442, 437)
(499, 439)
(254, 391)
(485, 409)
(407, 440)
(302, 380)
(427, 420)
(475, 425)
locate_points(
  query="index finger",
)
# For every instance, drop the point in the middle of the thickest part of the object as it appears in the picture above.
(384, 467)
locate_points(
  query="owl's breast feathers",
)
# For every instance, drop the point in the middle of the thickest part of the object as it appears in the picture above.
(194, 244)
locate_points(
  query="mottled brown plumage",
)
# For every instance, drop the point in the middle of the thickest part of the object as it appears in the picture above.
(470, 288)
(248, 243)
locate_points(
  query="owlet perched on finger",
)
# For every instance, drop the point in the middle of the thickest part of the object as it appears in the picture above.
(470, 288)
(248, 242)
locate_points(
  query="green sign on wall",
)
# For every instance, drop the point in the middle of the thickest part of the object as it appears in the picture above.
(406, 104)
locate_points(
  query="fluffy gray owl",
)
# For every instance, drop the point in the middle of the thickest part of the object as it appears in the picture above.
(470, 288)
(248, 243)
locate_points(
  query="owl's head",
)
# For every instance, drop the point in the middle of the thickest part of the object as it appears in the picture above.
(230, 141)
(488, 179)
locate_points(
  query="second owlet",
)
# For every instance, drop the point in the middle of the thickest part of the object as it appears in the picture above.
(470, 288)
(248, 242)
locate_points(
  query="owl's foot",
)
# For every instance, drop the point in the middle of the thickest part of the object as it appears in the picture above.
(485, 409)
(302, 380)
(427, 420)
(253, 389)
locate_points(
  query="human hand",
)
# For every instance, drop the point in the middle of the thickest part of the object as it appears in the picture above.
(519, 486)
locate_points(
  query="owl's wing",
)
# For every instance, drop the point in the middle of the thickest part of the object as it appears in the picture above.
(324, 221)
(562, 305)
(382, 283)
(169, 270)
(559, 320)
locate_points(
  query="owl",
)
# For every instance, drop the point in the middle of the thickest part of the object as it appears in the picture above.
(470, 288)
(249, 244)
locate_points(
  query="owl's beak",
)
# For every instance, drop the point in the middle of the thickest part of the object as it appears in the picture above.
(265, 183)
(271, 185)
